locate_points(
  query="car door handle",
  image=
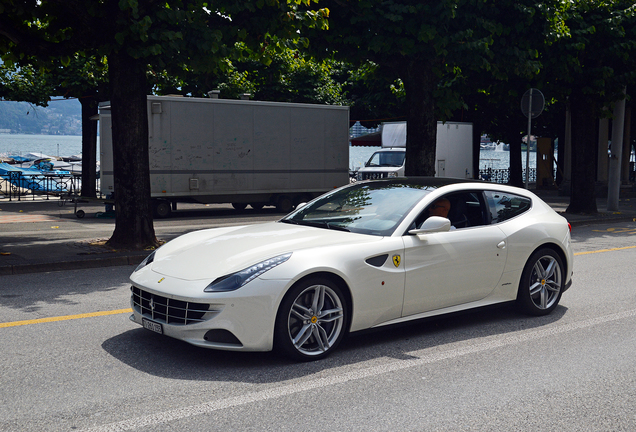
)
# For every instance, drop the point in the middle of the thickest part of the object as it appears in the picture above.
(502, 245)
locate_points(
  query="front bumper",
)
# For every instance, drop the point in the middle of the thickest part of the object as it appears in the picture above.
(241, 320)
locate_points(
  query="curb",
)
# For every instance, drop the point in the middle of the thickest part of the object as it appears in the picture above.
(601, 220)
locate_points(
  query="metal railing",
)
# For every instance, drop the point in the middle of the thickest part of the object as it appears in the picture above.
(503, 175)
(15, 185)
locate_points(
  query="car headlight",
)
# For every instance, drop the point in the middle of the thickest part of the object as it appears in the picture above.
(236, 280)
(149, 259)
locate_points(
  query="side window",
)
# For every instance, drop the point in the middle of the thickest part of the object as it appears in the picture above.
(463, 209)
(504, 206)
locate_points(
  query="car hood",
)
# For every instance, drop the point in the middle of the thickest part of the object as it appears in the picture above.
(208, 254)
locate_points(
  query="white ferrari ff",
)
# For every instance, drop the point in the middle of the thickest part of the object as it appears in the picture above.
(366, 255)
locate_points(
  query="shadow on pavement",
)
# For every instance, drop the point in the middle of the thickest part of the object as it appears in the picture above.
(165, 357)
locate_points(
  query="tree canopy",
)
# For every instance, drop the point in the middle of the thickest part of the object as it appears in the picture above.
(422, 61)
(432, 47)
(176, 36)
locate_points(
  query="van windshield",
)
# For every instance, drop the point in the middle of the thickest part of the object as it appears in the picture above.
(387, 159)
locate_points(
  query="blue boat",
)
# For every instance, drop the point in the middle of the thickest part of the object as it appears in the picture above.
(30, 178)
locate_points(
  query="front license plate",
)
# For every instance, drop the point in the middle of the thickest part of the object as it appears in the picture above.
(153, 326)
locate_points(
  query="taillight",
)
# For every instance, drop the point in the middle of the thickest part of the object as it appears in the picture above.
(570, 226)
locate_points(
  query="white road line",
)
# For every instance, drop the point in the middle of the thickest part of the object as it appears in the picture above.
(285, 390)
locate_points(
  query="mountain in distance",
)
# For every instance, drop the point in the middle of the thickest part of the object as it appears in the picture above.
(60, 117)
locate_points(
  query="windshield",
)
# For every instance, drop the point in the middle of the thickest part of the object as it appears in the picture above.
(387, 158)
(374, 208)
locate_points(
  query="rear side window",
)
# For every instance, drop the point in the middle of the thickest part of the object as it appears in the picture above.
(504, 206)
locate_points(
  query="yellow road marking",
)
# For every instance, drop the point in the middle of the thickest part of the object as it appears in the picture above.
(64, 318)
(604, 250)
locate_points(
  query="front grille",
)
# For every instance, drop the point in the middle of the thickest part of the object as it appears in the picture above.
(373, 175)
(167, 310)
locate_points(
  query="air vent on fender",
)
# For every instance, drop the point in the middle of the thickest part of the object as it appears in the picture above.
(377, 261)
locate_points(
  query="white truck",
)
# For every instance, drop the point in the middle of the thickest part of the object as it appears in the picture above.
(454, 152)
(237, 151)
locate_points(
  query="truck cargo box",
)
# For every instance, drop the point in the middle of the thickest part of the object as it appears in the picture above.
(238, 151)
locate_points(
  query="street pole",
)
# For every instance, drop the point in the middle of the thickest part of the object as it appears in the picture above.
(528, 142)
(616, 156)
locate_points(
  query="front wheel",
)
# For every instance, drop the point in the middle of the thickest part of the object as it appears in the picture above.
(162, 209)
(541, 283)
(312, 320)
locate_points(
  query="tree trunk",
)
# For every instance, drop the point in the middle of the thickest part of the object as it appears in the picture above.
(133, 210)
(476, 147)
(89, 147)
(421, 126)
(516, 168)
(584, 155)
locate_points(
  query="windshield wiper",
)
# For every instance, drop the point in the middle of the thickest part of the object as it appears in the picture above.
(336, 227)
(316, 224)
(289, 221)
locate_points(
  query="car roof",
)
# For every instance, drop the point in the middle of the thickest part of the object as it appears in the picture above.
(454, 183)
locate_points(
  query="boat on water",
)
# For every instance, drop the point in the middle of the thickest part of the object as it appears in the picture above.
(47, 164)
(488, 146)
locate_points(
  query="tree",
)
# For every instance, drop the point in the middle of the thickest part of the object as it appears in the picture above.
(82, 78)
(173, 36)
(290, 75)
(589, 68)
(433, 47)
(24, 85)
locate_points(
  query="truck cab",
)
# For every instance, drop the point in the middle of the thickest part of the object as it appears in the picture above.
(384, 163)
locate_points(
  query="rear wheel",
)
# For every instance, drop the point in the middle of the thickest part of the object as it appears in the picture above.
(284, 204)
(541, 283)
(257, 206)
(239, 206)
(312, 320)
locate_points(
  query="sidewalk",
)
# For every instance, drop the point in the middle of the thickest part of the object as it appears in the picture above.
(41, 236)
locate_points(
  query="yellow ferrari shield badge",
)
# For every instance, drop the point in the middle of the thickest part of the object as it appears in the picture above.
(396, 260)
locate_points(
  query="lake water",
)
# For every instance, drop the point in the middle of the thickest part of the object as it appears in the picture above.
(65, 145)
(50, 145)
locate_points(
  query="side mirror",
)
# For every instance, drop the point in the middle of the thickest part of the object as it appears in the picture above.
(301, 205)
(432, 225)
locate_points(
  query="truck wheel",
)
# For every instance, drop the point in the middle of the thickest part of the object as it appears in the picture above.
(162, 209)
(239, 206)
(284, 204)
(257, 206)
(303, 198)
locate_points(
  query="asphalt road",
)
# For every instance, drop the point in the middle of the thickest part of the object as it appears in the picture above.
(67, 367)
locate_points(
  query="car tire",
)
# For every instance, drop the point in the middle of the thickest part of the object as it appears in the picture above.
(284, 204)
(162, 209)
(541, 283)
(312, 320)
